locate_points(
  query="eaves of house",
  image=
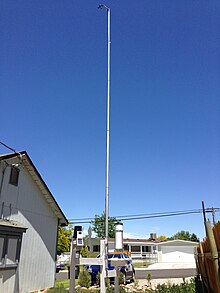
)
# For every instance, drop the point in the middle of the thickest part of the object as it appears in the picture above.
(178, 242)
(29, 166)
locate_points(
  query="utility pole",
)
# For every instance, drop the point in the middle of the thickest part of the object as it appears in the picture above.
(72, 265)
(213, 216)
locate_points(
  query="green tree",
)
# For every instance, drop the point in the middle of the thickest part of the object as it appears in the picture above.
(185, 235)
(194, 238)
(98, 226)
(182, 235)
(162, 238)
(63, 243)
(84, 251)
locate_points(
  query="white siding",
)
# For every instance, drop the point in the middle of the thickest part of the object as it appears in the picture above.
(29, 207)
(7, 281)
(179, 254)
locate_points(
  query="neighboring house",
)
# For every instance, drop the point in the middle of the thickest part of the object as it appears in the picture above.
(139, 249)
(177, 251)
(154, 251)
(64, 258)
(142, 249)
(29, 221)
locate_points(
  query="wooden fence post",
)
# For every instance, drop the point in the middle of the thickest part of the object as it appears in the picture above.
(214, 252)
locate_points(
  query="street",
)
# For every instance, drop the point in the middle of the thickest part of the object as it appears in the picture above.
(142, 273)
(165, 273)
(62, 275)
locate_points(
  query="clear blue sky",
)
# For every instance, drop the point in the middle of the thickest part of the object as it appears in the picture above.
(165, 104)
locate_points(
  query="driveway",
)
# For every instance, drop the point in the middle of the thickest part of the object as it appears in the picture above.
(141, 273)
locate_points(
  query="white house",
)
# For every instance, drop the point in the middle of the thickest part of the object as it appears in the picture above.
(139, 249)
(152, 251)
(29, 221)
(177, 252)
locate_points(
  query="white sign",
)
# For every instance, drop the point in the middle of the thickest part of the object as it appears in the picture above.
(90, 261)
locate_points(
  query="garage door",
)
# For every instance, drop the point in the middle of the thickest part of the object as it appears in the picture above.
(177, 254)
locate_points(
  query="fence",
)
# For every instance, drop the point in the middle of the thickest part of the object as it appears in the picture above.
(207, 256)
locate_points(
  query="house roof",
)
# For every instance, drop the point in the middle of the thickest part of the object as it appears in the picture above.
(143, 240)
(133, 240)
(28, 164)
(178, 242)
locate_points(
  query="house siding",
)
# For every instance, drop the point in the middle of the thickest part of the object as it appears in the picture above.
(179, 254)
(177, 251)
(27, 205)
(8, 281)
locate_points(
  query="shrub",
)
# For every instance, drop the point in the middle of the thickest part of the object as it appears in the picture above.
(84, 251)
(107, 280)
(136, 282)
(111, 290)
(182, 288)
(148, 277)
(121, 278)
(84, 279)
(98, 278)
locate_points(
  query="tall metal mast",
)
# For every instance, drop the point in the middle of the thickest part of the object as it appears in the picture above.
(107, 126)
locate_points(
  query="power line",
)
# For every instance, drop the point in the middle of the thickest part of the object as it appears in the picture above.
(148, 216)
(143, 215)
(137, 215)
(160, 216)
(5, 145)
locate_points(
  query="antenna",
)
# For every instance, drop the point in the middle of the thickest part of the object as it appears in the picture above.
(100, 6)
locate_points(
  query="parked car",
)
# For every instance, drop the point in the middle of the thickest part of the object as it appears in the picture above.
(76, 272)
(59, 266)
(127, 270)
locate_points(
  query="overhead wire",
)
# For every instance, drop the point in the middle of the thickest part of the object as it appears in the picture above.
(136, 216)
(5, 145)
(147, 216)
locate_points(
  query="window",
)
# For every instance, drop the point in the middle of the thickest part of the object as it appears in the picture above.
(96, 248)
(10, 246)
(135, 248)
(111, 246)
(126, 247)
(14, 175)
(1, 249)
(146, 248)
(12, 251)
(10, 243)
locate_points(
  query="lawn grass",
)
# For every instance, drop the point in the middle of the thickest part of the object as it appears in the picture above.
(141, 264)
(62, 284)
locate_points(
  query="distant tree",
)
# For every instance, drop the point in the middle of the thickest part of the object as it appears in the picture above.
(185, 235)
(162, 238)
(182, 235)
(194, 238)
(63, 243)
(98, 226)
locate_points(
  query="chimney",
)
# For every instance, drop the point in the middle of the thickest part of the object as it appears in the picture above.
(153, 236)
